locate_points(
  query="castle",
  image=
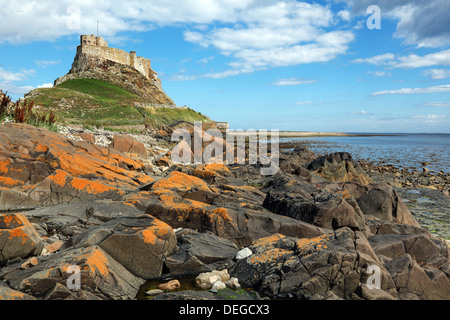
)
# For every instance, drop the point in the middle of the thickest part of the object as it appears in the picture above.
(97, 46)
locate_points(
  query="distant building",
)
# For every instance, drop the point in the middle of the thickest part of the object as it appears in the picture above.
(223, 125)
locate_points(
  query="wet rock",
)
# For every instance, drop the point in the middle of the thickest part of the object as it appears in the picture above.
(170, 286)
(208, 279)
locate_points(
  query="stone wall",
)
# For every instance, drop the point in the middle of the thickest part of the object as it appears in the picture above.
(96, 46)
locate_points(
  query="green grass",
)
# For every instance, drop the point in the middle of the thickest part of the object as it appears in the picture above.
(96, 103)
(168, 116)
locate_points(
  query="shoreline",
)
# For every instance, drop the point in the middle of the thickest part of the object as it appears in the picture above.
(309, 134)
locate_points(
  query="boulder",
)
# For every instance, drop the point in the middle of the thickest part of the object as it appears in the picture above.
(199, 252)
(308, 268)
(238, 224)
(296, 198)
(99, 273)
(414, 282)
(382, 202)
(41, 168)
(128, 144)
(339, 166)
(18, 238)
(139, 243)
(208, 279)
(10, 294)
(421, 246)
(186, 186)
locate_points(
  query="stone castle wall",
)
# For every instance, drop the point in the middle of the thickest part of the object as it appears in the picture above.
(97, 46)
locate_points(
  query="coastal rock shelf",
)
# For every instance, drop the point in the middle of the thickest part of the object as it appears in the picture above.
(125, 220)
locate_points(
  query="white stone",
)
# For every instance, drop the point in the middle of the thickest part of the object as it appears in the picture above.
(218, 285)
(233, 283)
(243, 254)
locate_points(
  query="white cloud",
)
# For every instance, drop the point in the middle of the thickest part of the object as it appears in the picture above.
(362, 112)
(437, 104)
(437, 74)
(292, 82)
(423, 23)
(436, 89)
(380, 73)
(378, 60)
(304, 103)
(46, 63)
(411, 61)
(255, 34)
(275, 35)
(344, 15)
(46, 85)
(9, 76)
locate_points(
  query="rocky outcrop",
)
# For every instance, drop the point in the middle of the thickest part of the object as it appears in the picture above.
(339, 167)
(88, 66)
(297, 235)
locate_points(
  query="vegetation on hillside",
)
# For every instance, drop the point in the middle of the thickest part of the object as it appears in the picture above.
(26, 112)
(92, 102)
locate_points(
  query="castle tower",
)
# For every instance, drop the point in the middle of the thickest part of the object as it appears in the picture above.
(92, 40)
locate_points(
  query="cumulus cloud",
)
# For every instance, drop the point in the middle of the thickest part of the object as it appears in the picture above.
(437, 74)
(275, 35)
(423, 23)
(436, 89)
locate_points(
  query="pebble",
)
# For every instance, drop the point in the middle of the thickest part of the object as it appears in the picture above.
(154, 292)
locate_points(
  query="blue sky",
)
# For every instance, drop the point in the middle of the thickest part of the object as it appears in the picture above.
(260, 64)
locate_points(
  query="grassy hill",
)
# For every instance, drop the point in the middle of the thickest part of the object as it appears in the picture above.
(92, 102)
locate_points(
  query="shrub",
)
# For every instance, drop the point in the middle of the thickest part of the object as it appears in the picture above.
(4, 104)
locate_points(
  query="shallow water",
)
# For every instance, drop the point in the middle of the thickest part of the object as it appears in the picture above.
(409, 151)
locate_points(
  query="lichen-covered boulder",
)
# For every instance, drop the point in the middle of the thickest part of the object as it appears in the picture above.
(312, 268)
(139, 243)
(18, 238)
(98, 273)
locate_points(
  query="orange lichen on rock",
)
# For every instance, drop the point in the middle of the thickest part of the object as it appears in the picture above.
(268, 242)
(96, 261)
(41, 148)
(18, 233)
(4, 166)
(91, 187)
(156, 232)
(212, 170)
(269, 255)
(59, 177)
(307, 246)
(180, 182)
(10, 182)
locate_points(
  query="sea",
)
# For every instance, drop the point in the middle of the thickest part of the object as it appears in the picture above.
(402, 150)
